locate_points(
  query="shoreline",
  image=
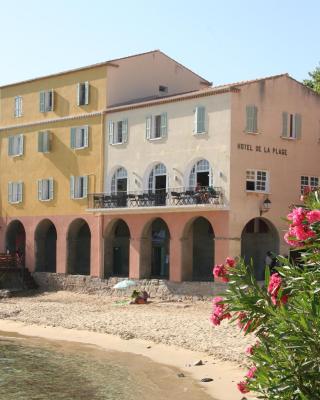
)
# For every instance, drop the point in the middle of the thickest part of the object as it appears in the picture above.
(225, 374)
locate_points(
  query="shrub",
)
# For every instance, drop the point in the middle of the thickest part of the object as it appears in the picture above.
(283, 313)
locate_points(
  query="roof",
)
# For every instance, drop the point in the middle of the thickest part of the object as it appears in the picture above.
(112, 63)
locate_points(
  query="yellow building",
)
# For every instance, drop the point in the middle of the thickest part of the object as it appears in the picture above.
(52, 154)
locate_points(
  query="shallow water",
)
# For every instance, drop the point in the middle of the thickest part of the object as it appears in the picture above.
(37, 369)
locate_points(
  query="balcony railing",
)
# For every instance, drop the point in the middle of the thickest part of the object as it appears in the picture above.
(159, 198)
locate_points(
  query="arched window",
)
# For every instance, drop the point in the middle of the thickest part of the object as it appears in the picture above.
(158, 178)
(201, 173)
(119, 182)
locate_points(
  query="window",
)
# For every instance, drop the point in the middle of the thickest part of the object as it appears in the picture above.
(308, 182)
(47, 100)
(156, 126)
(15, 192)
(15, 145)
(45, 189)
(200, 120)
(163, 89)
(18, 106)
(78, 187)
(79, 137)
(257, 181)
(201, 174)
(119, 181)
(44, 142)
(118, 132)
(291, 126)
(83, 94)
(252, 119)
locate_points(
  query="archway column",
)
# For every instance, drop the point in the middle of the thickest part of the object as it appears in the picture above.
(176, 259)
(30, 248)
(96, 249)
(135, 257)
(62, 247)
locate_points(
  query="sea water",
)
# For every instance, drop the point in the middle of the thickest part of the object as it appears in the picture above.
(36, 369)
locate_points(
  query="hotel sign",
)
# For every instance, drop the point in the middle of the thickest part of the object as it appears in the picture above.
(263, 149)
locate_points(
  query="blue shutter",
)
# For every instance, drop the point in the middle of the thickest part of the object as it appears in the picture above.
(73, 132)
(148, 126)
(200, 119)
(42, 101)
(125, 131)
(11, 145)
(40, 189)
(20, 144)
(20, 192)
(164, 127)
(78, 94)
(72, 182)
(10, 192)
(86, 136)
(87, 87)
(51, 188)
(111, 132)
(85, 186)
(40, 142)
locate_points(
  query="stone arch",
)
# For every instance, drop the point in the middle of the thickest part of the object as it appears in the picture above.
(198, 247)
(78, 247)
(155, 250)
(16, 239)
(116, 249)
(258, 237)
(45, 237)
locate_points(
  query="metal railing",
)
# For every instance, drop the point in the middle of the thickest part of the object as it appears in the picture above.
(160, 197)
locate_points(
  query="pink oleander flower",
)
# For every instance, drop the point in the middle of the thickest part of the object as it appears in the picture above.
(297, 216)
(303, 232)
(291, 240)
(313, 216)
(250, 374)
(220, 271)
(231, 262)
(219, 311)
(243, 387)
(274, 284)
(250, 350)
(241, 324)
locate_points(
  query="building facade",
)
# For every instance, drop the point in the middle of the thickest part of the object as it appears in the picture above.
(138, 167)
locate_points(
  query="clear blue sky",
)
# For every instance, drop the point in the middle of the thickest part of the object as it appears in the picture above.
(222, 40)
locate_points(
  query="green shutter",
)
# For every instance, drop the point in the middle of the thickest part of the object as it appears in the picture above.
(10, 145)
(21, 144)
(124, 131)
(72, 181)
(200, 119)
(85, 186)
(297, 120)
(46, 142)
(87, 87)
(42, 101)
(111, 132)
(163, 128)
(86, 136)
(51, 188)
(20, 192)
(78, 94)
(73, 132)
(284, 124)
(40, 189)
(252, 119)
(148, 127)
(40, 142)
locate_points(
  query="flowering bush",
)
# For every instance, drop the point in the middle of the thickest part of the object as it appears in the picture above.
(284, 313)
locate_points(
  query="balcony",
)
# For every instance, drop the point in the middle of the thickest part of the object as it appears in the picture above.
(172, 198)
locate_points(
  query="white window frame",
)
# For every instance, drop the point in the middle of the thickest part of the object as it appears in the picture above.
(255, 179)
(79, 137)
(114, 133)
(18, 106)
(305, 182)
(85, 88)
(45, 186)
(15, 145)
(15, 192)
(151, 126)
(79, 187)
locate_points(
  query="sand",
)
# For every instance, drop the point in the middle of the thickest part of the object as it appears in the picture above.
(173, 333)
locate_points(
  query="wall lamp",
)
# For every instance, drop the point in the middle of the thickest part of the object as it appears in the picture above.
(265, 206)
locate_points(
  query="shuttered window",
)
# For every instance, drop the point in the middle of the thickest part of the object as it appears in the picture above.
(156, 126)
(291, 126)
(78, 187)
(45, 189)
(251, 119)
(44, 145)
(46, 100)
(83, 94)
(18, 106)
(15, 192)
(200, 120)
(118, 131)
(79, 137)
(15, 145)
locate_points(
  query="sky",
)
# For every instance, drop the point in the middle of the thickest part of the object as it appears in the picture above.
(223, 41)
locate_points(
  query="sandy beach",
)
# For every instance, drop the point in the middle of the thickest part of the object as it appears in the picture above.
(173, 333)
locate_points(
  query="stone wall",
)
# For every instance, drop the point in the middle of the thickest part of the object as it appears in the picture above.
(157, 288)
